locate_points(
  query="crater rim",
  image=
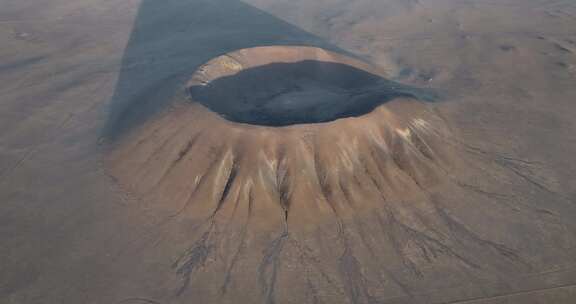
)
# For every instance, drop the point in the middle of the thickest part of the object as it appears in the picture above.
(279, 86)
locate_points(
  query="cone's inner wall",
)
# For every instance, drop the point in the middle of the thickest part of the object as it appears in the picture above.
(280, 94)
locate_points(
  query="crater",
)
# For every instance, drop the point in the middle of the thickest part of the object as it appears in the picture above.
(191, 162)
(286, 85)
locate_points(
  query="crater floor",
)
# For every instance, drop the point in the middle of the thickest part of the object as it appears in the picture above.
(286, 85)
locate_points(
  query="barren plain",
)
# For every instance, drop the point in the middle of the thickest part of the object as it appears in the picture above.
(287, 151)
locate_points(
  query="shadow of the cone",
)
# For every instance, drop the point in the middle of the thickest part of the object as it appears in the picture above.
(172, 38)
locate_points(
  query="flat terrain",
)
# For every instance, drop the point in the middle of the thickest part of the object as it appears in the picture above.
(114, 188)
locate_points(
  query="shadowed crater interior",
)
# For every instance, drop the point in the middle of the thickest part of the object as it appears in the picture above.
(309, 85)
